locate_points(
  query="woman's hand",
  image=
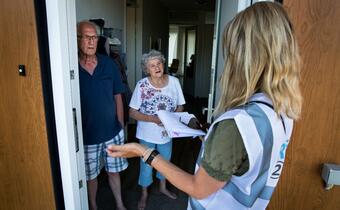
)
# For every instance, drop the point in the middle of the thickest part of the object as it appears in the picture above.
(156, 120)
(194, 123)
(126, 150)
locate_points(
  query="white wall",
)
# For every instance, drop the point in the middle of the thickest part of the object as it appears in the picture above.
(111, 10)
(134, 25)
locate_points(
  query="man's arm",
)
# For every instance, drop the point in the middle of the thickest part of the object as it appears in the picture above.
(119, 109)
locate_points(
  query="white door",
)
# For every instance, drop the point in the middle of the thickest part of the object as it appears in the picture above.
(61, 23)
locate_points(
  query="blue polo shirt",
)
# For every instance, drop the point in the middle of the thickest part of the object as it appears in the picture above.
(98, 106)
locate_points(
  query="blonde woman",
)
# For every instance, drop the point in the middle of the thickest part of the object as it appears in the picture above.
(244, 150)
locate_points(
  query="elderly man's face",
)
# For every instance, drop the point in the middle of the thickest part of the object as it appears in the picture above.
(87, 40)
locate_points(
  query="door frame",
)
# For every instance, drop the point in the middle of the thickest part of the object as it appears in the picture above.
(61, 24)
(230, 8)
(44, 55)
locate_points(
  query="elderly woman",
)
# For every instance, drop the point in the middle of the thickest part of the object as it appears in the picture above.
(157, 91)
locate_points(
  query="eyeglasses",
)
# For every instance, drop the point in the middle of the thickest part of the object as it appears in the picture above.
(89, 38)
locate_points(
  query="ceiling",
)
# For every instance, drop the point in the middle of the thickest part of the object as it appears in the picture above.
(189, 5)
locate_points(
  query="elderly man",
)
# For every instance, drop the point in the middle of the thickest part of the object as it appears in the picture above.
(102, 113)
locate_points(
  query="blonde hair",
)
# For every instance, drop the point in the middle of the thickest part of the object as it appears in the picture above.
(261, 55)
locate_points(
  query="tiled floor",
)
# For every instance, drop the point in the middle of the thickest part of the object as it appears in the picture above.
(184, 155)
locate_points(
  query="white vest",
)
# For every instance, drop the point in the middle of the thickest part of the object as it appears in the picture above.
(266, 137)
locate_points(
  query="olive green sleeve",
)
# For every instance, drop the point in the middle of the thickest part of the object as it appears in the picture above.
(224, 152)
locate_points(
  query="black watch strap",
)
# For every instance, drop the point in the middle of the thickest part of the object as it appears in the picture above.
(151, 157)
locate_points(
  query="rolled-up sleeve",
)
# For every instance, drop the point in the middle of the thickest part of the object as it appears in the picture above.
(224, 153)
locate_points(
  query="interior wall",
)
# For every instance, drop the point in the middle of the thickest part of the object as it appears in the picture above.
(130, 46)
(204, 45)
(111, 10)
(155, 25)
(134, 31)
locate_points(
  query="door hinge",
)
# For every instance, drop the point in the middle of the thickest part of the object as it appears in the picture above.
(76, 136)
(72, 74)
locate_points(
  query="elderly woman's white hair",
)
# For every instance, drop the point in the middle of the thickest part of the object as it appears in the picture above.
(153, 54)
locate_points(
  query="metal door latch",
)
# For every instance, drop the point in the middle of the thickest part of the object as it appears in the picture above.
(331, 175)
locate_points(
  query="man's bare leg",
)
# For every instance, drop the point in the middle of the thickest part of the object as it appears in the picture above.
(92, 186)
(114, 182)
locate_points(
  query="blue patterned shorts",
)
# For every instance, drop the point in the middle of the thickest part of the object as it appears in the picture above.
(96, 157)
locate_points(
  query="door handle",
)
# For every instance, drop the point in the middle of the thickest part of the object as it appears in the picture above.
(76, 136)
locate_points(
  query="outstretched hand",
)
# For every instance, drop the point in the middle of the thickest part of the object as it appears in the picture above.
(126, 150)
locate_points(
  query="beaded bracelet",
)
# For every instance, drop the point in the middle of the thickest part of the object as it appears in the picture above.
(153, 154)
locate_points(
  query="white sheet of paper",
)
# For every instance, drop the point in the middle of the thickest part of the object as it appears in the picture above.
(174, 127)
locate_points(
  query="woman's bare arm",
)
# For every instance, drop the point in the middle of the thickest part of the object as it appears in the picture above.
(180, 108)
(198, 186)
(137, 115)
